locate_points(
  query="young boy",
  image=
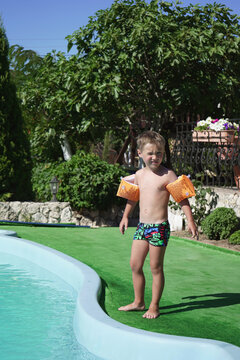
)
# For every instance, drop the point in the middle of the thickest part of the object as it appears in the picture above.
(153, 231)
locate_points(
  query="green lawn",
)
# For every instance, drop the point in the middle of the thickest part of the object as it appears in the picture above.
(202, 293)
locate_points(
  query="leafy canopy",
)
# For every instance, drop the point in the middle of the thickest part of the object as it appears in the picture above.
(140, 59)
(160, 58)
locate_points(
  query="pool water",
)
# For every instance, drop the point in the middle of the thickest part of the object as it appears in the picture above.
(36, 314)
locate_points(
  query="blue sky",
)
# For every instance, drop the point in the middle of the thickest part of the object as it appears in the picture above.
(42, 25)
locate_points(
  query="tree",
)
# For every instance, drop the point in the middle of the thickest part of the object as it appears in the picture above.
(52, 98)
(140, 61)
(47, 98)
(15, 166)
(56, 92)
(159, 59)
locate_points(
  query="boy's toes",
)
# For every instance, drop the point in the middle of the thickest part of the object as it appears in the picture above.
(151, 314)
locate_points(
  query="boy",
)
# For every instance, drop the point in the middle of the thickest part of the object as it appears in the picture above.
(153, 231)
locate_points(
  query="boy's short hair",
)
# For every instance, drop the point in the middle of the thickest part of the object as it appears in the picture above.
(150, 137)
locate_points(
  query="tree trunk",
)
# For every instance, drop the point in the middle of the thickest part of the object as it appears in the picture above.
(66, 148)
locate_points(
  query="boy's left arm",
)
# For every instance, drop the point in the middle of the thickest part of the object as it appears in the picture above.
(188, 213)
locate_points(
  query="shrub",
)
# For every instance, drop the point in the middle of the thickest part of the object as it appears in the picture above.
(86, 181)
(220, 224)
(235, 238)
(42, 174)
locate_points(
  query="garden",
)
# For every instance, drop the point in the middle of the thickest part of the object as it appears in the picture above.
(138, 65)
(66, 118)
(79, 124)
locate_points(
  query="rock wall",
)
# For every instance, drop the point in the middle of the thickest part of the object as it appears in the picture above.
(61, 212)
(228, 198)
(57, 212)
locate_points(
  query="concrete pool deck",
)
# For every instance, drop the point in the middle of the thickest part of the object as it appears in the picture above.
(95, 330)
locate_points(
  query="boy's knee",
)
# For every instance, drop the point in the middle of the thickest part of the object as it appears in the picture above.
(156, 268)
(135, 266)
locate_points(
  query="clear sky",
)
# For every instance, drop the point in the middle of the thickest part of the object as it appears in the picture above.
(42, 25)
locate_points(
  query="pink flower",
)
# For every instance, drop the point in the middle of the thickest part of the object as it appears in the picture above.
(214, 121)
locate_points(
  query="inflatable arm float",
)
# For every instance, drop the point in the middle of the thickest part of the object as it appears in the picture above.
(181, 189)
(127, 189)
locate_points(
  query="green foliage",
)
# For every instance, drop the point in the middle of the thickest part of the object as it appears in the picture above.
(235, 238)
(45, 145)
(5, 197)
(24, 64)
(220, 224)
(51, 100)
(86, 181)
(205, 201)
(15, 165)
(157, 59)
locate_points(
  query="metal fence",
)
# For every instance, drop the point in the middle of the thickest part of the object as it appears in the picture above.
(215, 161)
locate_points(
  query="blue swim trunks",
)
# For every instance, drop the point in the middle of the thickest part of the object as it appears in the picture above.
(155, 234)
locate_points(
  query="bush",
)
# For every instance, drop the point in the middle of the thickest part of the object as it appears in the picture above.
(86, 181)
(220, 224)
(235, 238)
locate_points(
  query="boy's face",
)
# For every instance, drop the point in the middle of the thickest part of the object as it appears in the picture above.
(152, 155)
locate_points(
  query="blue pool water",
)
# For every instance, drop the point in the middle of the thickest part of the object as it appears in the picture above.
(36, 314)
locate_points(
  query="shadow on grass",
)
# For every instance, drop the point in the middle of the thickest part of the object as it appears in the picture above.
(218, 300)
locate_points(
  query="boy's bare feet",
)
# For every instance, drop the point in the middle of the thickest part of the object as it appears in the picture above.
(152, 313)
(132, 307)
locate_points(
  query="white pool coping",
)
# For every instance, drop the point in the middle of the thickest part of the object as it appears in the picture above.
(95, 330)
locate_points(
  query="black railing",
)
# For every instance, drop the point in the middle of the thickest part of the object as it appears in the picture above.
(214, 160)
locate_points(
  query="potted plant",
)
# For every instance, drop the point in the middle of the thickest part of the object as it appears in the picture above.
(216, 130)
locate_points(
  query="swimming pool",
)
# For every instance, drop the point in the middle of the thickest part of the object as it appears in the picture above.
(36, 311)
(102, 335)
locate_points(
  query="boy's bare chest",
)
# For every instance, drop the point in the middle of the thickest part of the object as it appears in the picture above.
(152, 184)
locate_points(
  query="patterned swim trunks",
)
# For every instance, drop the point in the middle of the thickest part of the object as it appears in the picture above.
(155, 234)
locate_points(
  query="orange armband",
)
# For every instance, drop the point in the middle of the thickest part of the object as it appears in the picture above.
(181, 189)
(127, 189)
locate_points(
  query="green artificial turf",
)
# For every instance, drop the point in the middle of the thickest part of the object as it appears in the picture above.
(202, 292)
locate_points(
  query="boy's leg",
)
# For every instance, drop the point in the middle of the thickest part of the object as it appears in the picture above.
(139, 252)
(156, 264)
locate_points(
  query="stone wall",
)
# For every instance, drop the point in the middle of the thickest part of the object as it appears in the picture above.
(57, 212)
(228, 198)
(61, 212)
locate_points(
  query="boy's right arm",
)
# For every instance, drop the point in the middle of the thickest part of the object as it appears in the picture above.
(128, 210)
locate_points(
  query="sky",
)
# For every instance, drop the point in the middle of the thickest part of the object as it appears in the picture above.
(42, 25)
